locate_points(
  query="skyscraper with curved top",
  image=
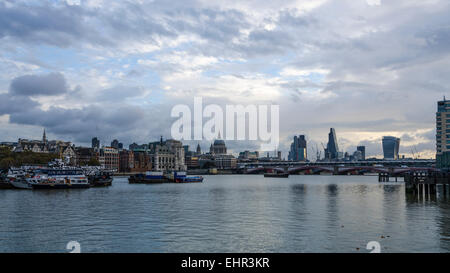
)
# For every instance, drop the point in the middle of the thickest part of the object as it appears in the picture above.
(391, 147)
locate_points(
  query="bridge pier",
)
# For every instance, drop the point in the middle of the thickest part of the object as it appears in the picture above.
(383, 177)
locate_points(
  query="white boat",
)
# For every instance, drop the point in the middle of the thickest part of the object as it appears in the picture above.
(18, 179)
(59, 178)
(20, 183)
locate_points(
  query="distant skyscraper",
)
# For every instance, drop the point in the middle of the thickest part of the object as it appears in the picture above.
(332, 150)
(391, 147)
(95, 143)
(362, 149)
(115, 144)
(298, 151)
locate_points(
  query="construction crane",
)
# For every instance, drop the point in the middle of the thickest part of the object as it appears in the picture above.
(316, 151)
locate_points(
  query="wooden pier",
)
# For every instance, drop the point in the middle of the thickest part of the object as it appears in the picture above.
(420, 183)
(388, 177)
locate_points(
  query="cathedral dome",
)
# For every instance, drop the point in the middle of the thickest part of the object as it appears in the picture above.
(219, 142)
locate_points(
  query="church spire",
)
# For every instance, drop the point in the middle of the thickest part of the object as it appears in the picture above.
(199, 150)
(44, 137)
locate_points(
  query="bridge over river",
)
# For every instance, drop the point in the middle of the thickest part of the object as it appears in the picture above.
(393, 168)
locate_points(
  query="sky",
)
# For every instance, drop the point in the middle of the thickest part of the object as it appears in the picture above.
(115, 69)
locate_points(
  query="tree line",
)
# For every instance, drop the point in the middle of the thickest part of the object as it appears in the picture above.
(8, 158)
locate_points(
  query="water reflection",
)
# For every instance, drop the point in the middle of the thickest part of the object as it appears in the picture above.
(228, 214)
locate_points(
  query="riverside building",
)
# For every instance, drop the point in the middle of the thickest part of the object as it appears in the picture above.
(443, 134)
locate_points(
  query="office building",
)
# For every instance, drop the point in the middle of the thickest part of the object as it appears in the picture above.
(298, 151)
(95, 143)
(109, 158)
(247, 155)
(332, 150)
(362, 150)
(391, 147)
(167, 155)
(443, 134)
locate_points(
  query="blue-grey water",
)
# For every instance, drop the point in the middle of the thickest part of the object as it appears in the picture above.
(227, 214)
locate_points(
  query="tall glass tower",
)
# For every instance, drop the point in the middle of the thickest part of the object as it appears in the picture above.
(298, 150)
(332, 150)
(391, 147)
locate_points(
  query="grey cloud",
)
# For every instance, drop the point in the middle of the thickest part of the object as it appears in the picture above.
(41, 23)
(431, 135)
(214, 25)
(82, 124)
(407, 137)
(72, 25)
(39, 85)
(373, 148)
(11, 105)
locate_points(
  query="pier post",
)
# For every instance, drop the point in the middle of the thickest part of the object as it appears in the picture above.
(426, 189)
(410, 188)
(444, 189)
(420, 189)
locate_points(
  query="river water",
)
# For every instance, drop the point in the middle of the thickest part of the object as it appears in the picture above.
(231, 213)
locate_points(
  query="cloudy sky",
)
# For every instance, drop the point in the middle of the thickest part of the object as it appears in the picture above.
(115, 69)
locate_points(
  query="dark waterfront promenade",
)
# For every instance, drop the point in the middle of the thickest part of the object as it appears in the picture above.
(238, 213)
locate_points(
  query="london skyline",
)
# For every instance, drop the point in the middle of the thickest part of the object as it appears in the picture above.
(80, 70)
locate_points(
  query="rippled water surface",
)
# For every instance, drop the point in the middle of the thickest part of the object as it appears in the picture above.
(227, 214)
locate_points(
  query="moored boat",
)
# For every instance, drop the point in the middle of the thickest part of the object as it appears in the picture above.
(276, 174)
(64, 178)
(20, 183)
(101, 178)
(189, 179)
(18, 179)
(181, 177)
(148, 178)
